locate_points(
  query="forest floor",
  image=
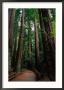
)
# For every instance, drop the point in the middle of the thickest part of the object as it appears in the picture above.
(28, 75)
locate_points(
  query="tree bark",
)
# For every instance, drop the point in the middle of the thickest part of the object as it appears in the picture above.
(19, 55)
(11, 25)
(36, 44)
(29, 42)
(11, 16)
(49, 48)
(46, 20)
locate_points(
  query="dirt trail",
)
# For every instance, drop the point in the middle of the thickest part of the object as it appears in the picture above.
(26, 75)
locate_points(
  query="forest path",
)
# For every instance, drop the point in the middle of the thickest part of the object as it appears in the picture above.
(26, 75)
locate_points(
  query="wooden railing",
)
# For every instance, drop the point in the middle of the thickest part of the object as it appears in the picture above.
(11, 76)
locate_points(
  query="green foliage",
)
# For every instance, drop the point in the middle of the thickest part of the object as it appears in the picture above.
(53, 33)
(53, 13)
(53, 23)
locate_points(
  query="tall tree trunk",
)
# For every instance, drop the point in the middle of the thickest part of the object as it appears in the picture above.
(49, 50)
(11, 16)
(19, 55)
(29, 42)
(15, 32)
(11, 25)
(46, 20)
(36, 44)
(44, 41)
